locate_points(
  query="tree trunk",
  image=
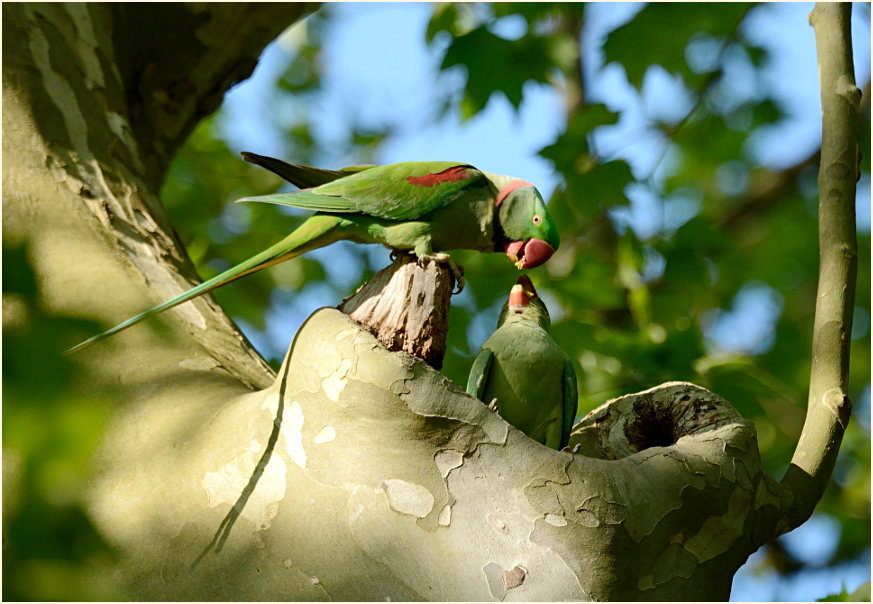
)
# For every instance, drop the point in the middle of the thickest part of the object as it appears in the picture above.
(359, 472)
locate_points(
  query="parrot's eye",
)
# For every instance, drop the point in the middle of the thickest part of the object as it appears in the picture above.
(537, 219)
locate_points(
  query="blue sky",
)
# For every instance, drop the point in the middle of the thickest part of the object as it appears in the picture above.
(378, 71)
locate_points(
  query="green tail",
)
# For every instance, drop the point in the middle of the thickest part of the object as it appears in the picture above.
(303, 177)
(318, 231)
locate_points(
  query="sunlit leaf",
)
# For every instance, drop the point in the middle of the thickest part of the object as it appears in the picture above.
(480, 51)
(660, 32)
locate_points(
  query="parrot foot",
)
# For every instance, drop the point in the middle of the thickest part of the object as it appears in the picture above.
(573, 451)
(443, 258)
(493, 406)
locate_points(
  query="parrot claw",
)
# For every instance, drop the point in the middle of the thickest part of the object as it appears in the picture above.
(443, 258)
(493, 406)
(573, 451)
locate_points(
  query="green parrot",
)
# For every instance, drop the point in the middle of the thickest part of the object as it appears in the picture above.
(521, 370)
(422, 207)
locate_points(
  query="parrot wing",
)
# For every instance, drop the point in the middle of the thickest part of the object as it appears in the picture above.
(479, 373)
(404, 191)
(570, 402)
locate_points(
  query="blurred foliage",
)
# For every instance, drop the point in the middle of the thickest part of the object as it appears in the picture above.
(716, 21)
(862, 594)
(50, 546)
(477, 49)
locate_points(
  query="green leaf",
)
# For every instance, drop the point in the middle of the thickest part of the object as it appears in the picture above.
(572, 144)
(497, 65)
(660, 32)
(590, 184)
(534, 12)
(862, 594)
(594, 187)
(444, 19)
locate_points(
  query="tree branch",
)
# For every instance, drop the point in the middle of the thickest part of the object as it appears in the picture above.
(765, 191)
(829, 408)
(97, 99)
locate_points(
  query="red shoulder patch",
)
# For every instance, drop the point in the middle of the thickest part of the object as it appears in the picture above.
(453, 174)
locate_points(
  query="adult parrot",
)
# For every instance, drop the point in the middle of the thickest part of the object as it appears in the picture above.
(422, 207)
(523, 372)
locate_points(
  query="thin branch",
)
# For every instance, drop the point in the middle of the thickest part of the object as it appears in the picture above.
(829, 408)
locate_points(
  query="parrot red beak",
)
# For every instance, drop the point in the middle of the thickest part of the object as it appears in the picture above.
(528, 254)
(517, 299)
(521, 294)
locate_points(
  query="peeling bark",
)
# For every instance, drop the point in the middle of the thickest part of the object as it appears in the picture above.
(407, 307)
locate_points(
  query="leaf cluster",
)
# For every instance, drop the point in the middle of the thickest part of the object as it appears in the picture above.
(477, 45)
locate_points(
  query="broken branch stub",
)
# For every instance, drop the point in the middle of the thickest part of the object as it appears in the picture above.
(406, 306)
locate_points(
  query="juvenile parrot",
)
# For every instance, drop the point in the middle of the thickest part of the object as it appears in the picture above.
(423, 207)
(524, 374)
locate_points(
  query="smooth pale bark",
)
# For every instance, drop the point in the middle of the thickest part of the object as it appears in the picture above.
(829, 408)
(357, 472)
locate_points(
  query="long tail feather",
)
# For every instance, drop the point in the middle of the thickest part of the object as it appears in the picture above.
(303, 177)
(318, 230)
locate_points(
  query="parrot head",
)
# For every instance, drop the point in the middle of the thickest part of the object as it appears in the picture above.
(524, 303)
(531, 236)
